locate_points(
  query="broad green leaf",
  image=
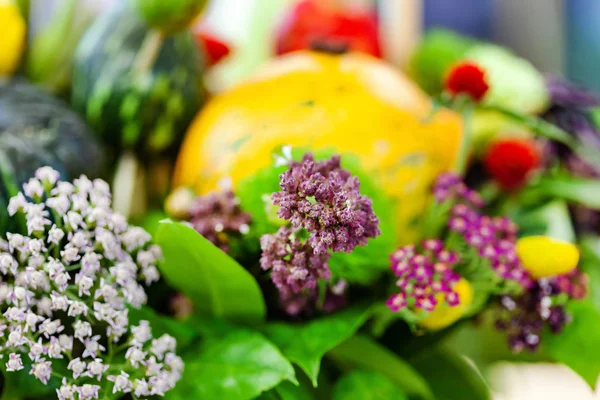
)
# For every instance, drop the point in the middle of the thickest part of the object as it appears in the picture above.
(216, 284)
(238, 365)
(366, 385)
(578, 345)
(288, 391)
(451, 376)
(572, 189)
(364, 353)
(161, 325)
(590, 262)
(306, 344)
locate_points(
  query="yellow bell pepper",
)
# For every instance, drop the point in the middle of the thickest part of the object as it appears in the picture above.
(444, 315)
(12, 39)
(544, 256)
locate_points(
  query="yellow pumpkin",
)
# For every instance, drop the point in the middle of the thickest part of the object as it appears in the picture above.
(12, 37)
(352, 103)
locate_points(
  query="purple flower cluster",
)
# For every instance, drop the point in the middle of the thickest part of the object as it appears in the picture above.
(327, 213)
(424, 273)
(217, 216)
(494, 238)
(325, 199)
(523, 318)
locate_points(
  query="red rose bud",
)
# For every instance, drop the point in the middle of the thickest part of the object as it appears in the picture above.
(510, 161)
(467, 78)
(214, 48)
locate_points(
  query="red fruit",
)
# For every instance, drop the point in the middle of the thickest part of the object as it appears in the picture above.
(467, 78)
(311, 23)
(214, 48)
(510, 161)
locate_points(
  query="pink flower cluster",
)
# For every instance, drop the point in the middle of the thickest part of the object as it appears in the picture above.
(424, 272)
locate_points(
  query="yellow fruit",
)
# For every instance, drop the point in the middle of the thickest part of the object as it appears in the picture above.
(444, 315)
(351, 103)
(544, 256)
(12, 37)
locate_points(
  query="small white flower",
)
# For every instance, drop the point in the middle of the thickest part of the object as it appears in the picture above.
(134, 238)
(141, 388)
(60, 204)
(49, 328)
(33, 188)
(88, 391)
(66, 391)
(16, 204)
(36, 349)
(77, 366)
(82, 330)
(174, 362)
(150, 274)
(47, 174)
(92, 347)
(8, 263)
(121, 383)
(96, 369)
(14, 362)
(77, 308)
(42, 370)
(84, 284)
(31, 321)
(141, 333)
(153, 367)
(63, 188)
(66, 342)
(90, 263)
(59, 302)
(37, 224)
(70, 254)
(74, 220)
(160, 346)
(15, 338)
(15, 314)
(36, 246)
(55, 350)
(62, 281)
(135, 356)
(55, 235)
(83, 184)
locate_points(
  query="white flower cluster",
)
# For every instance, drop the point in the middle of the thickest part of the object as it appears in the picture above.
(65, 288)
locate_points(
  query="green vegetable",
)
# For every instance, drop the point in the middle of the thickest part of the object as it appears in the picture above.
(138, 88)
(216, 284)
(169, 16)
(37, 130)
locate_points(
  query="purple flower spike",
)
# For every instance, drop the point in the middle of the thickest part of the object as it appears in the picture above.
(295, 267)
(217, 216)
(324, 199)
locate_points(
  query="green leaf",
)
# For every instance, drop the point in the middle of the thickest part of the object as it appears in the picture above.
(451, 376)
(306, 344)
(578, 345)
(214, 282)
(238, 365)
(570, 188)
(161, 325)
(366, 385)
(364, 353)
(288, 391)
(590, 260)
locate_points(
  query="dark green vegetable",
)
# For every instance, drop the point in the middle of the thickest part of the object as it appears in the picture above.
(36, 130)
(138, 88)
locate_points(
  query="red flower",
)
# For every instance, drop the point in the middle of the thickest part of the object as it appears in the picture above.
(467, 78)
(510, 161)
(214, 48)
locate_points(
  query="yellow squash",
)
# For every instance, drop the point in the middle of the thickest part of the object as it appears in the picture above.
(351, 103)
(12, 37)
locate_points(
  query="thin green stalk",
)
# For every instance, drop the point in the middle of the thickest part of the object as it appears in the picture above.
(464, 152)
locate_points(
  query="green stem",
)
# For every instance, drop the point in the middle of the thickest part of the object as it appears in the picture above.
(9, 392)
(148, 51)
(464, 152)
